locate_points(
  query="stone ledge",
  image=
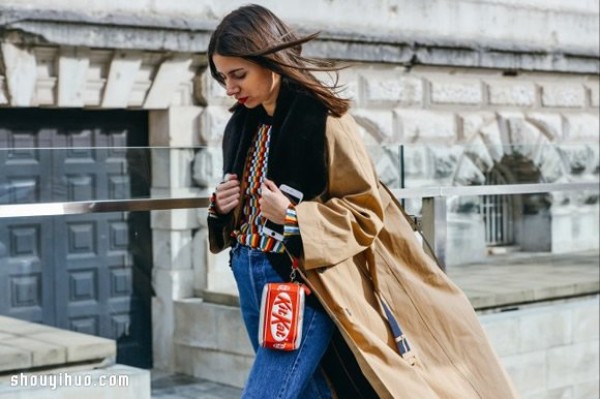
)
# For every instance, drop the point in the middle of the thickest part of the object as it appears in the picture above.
(495, 283)
(25, 345)
(514, 279)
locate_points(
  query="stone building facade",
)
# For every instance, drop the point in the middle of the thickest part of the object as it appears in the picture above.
(470, 90)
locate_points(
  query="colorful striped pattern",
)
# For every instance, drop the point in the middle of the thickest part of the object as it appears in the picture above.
(290, 226)
(256, 170)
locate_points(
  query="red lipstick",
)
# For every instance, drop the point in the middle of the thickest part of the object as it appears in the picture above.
(242, 100)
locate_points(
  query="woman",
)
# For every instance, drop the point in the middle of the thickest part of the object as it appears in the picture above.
(289, 128)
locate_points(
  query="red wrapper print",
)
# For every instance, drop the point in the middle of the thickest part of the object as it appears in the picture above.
(281, 313)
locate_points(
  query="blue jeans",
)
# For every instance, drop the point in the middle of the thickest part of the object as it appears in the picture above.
(279, 374)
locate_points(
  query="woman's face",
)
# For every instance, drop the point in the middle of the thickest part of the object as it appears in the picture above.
(250, 83)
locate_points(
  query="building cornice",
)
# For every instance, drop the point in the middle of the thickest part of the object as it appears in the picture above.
(160, 33)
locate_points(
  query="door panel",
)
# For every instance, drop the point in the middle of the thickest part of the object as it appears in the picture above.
(78, 272)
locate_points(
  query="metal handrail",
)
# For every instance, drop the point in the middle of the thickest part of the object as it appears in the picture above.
(151, 204)
(433, 214)
(504, 189)
(82, 207)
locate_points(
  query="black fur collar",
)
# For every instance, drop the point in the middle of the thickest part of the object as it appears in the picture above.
(297, 149)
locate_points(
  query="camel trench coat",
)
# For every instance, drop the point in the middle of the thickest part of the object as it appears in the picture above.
(357, 241)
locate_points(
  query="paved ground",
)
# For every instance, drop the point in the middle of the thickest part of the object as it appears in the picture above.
(502, 280)
(179, 386)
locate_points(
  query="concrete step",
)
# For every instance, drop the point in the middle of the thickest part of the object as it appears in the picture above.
(25, 345)
(113, 382)
(211, 342)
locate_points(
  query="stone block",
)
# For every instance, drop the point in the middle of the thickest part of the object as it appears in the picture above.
(521, 135)
(479, 154)
(175, 219)
(527, 371)
(12, 326)
(386, 160)
(390, 87)
(503, 332)
(212, 124)
(163, 326)
(172, 249)
(444, 161)
(471, 123)
(586, 324)
(456, 91)
(45, 91)
(171, 73)
(20, 72)
(518, 94)
(200, 254)
(222, 367)
(42, 353)
(211, 326)
(183, 359)
(139, 91)
(232, 336)
(559, 393)
(467, 173)
(573, 364)
(588, 390)
(585, 230)
(417, 164)
(349, 79)
(172, 167)
(212, 92)
(80, 347)
(491, 136)
(176, 126)
(582, 127)
(547, 329)
(579, 159)
(551, 163)
(173, 284)
(14, 358)
(425, 126)
(377, 126)
(549, 124)
(73, 65)
(219, 275)
(570, 95)
(594, 90)
(466, 239)
(124, 68)
(533, 232)
(177, 192)
(208, 167)
(197, 324)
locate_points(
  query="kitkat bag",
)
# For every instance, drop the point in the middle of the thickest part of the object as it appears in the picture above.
(281, 315)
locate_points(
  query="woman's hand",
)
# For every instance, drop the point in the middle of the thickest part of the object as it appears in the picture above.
(227, 194)
(273, 203)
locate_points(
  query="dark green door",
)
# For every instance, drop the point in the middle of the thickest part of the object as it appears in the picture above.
(88, 273)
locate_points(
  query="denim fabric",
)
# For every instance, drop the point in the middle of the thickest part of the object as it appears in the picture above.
(279, 374)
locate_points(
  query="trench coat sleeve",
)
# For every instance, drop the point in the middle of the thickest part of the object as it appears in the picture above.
(350, 215)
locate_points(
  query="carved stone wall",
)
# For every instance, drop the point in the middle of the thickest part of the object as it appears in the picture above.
(456, 124)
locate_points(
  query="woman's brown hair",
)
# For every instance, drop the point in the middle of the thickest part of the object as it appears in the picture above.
(256, 34)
